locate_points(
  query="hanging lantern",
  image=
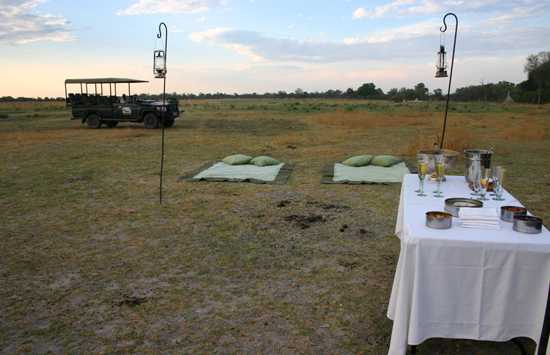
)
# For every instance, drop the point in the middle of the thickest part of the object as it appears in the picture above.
(159, 64)
(441, 66)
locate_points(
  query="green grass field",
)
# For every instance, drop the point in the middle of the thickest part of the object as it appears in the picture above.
(91, 263)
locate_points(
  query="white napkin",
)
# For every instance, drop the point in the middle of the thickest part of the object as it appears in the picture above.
(480, 226)
(485, 213)
(479, 218)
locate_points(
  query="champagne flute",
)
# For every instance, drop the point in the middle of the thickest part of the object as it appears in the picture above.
(440, 173)
(422, 161)
(498, 177)
(484, 183)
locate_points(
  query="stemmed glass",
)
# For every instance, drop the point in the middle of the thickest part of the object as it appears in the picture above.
(439, 173)
(422, 161)
(498, 177)
(484, 184)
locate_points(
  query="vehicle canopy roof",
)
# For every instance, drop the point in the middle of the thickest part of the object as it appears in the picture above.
(104, 81)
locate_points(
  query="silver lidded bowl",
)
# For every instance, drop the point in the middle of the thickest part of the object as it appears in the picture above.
(439, 220)
(527, 224)
(507, 213)
(453, 205)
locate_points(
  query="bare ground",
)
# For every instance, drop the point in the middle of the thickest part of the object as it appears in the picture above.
(91, 263)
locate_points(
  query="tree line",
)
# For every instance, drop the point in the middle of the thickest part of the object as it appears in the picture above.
(536, 89)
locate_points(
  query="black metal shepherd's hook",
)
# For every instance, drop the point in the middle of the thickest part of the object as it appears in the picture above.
(163, 108)
(443, 29)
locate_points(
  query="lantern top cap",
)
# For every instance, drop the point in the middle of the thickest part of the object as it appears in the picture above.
(104, 81)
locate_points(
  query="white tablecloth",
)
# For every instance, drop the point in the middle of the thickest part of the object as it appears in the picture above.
(464, 283)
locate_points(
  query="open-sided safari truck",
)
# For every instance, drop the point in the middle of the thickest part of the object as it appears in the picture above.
(96, 108)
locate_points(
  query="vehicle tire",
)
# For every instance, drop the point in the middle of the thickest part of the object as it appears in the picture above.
(151, 121)
(169, 122)
(93, 121)
(111, 124)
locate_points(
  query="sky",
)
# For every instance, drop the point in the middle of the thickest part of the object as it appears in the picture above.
(265, 46)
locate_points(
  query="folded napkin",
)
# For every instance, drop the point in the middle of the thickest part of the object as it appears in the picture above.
(488, 213)
(480, 226)
(479, 218)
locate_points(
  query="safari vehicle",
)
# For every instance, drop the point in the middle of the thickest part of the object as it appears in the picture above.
(96, 109)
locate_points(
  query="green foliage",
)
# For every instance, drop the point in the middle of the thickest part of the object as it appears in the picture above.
(537, 86)
(421, 91)
(404, 94)
(487, 92)
(369, 91)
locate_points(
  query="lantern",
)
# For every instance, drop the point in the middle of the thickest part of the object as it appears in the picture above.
(441, 66)
(159, 64)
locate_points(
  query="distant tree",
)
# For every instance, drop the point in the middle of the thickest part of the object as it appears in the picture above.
(491, 91)
(438, 94)
(421, 91)
(537, 67)
(366, 90)
(369, 91)
(349, 93)
(331, 93)
(393, 94)
(406, 94)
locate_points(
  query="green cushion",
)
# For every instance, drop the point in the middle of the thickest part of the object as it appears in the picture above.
(385, 160)
(264, 161)
(237, 159)
(358, 160)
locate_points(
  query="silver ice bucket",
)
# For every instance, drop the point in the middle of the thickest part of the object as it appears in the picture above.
(484, 157)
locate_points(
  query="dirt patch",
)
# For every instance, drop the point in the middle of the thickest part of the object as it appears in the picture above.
(304, 222)
(283, 203)
(349, 264)
(132, 300)
(328, 206)
(78, 178)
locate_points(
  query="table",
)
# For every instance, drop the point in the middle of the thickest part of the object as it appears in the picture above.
(464, 283)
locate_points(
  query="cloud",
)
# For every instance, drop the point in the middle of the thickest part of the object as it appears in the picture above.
(427, 7)
(413, 42)
(359, 13)
(258, 46)
(381, 10)
(19, 24)
(141, 7)
(517, 13)
(419, 29)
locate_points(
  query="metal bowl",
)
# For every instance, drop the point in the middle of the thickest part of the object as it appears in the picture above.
(527, 224)
(507, 213)
(439, 220)
(453, 205)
